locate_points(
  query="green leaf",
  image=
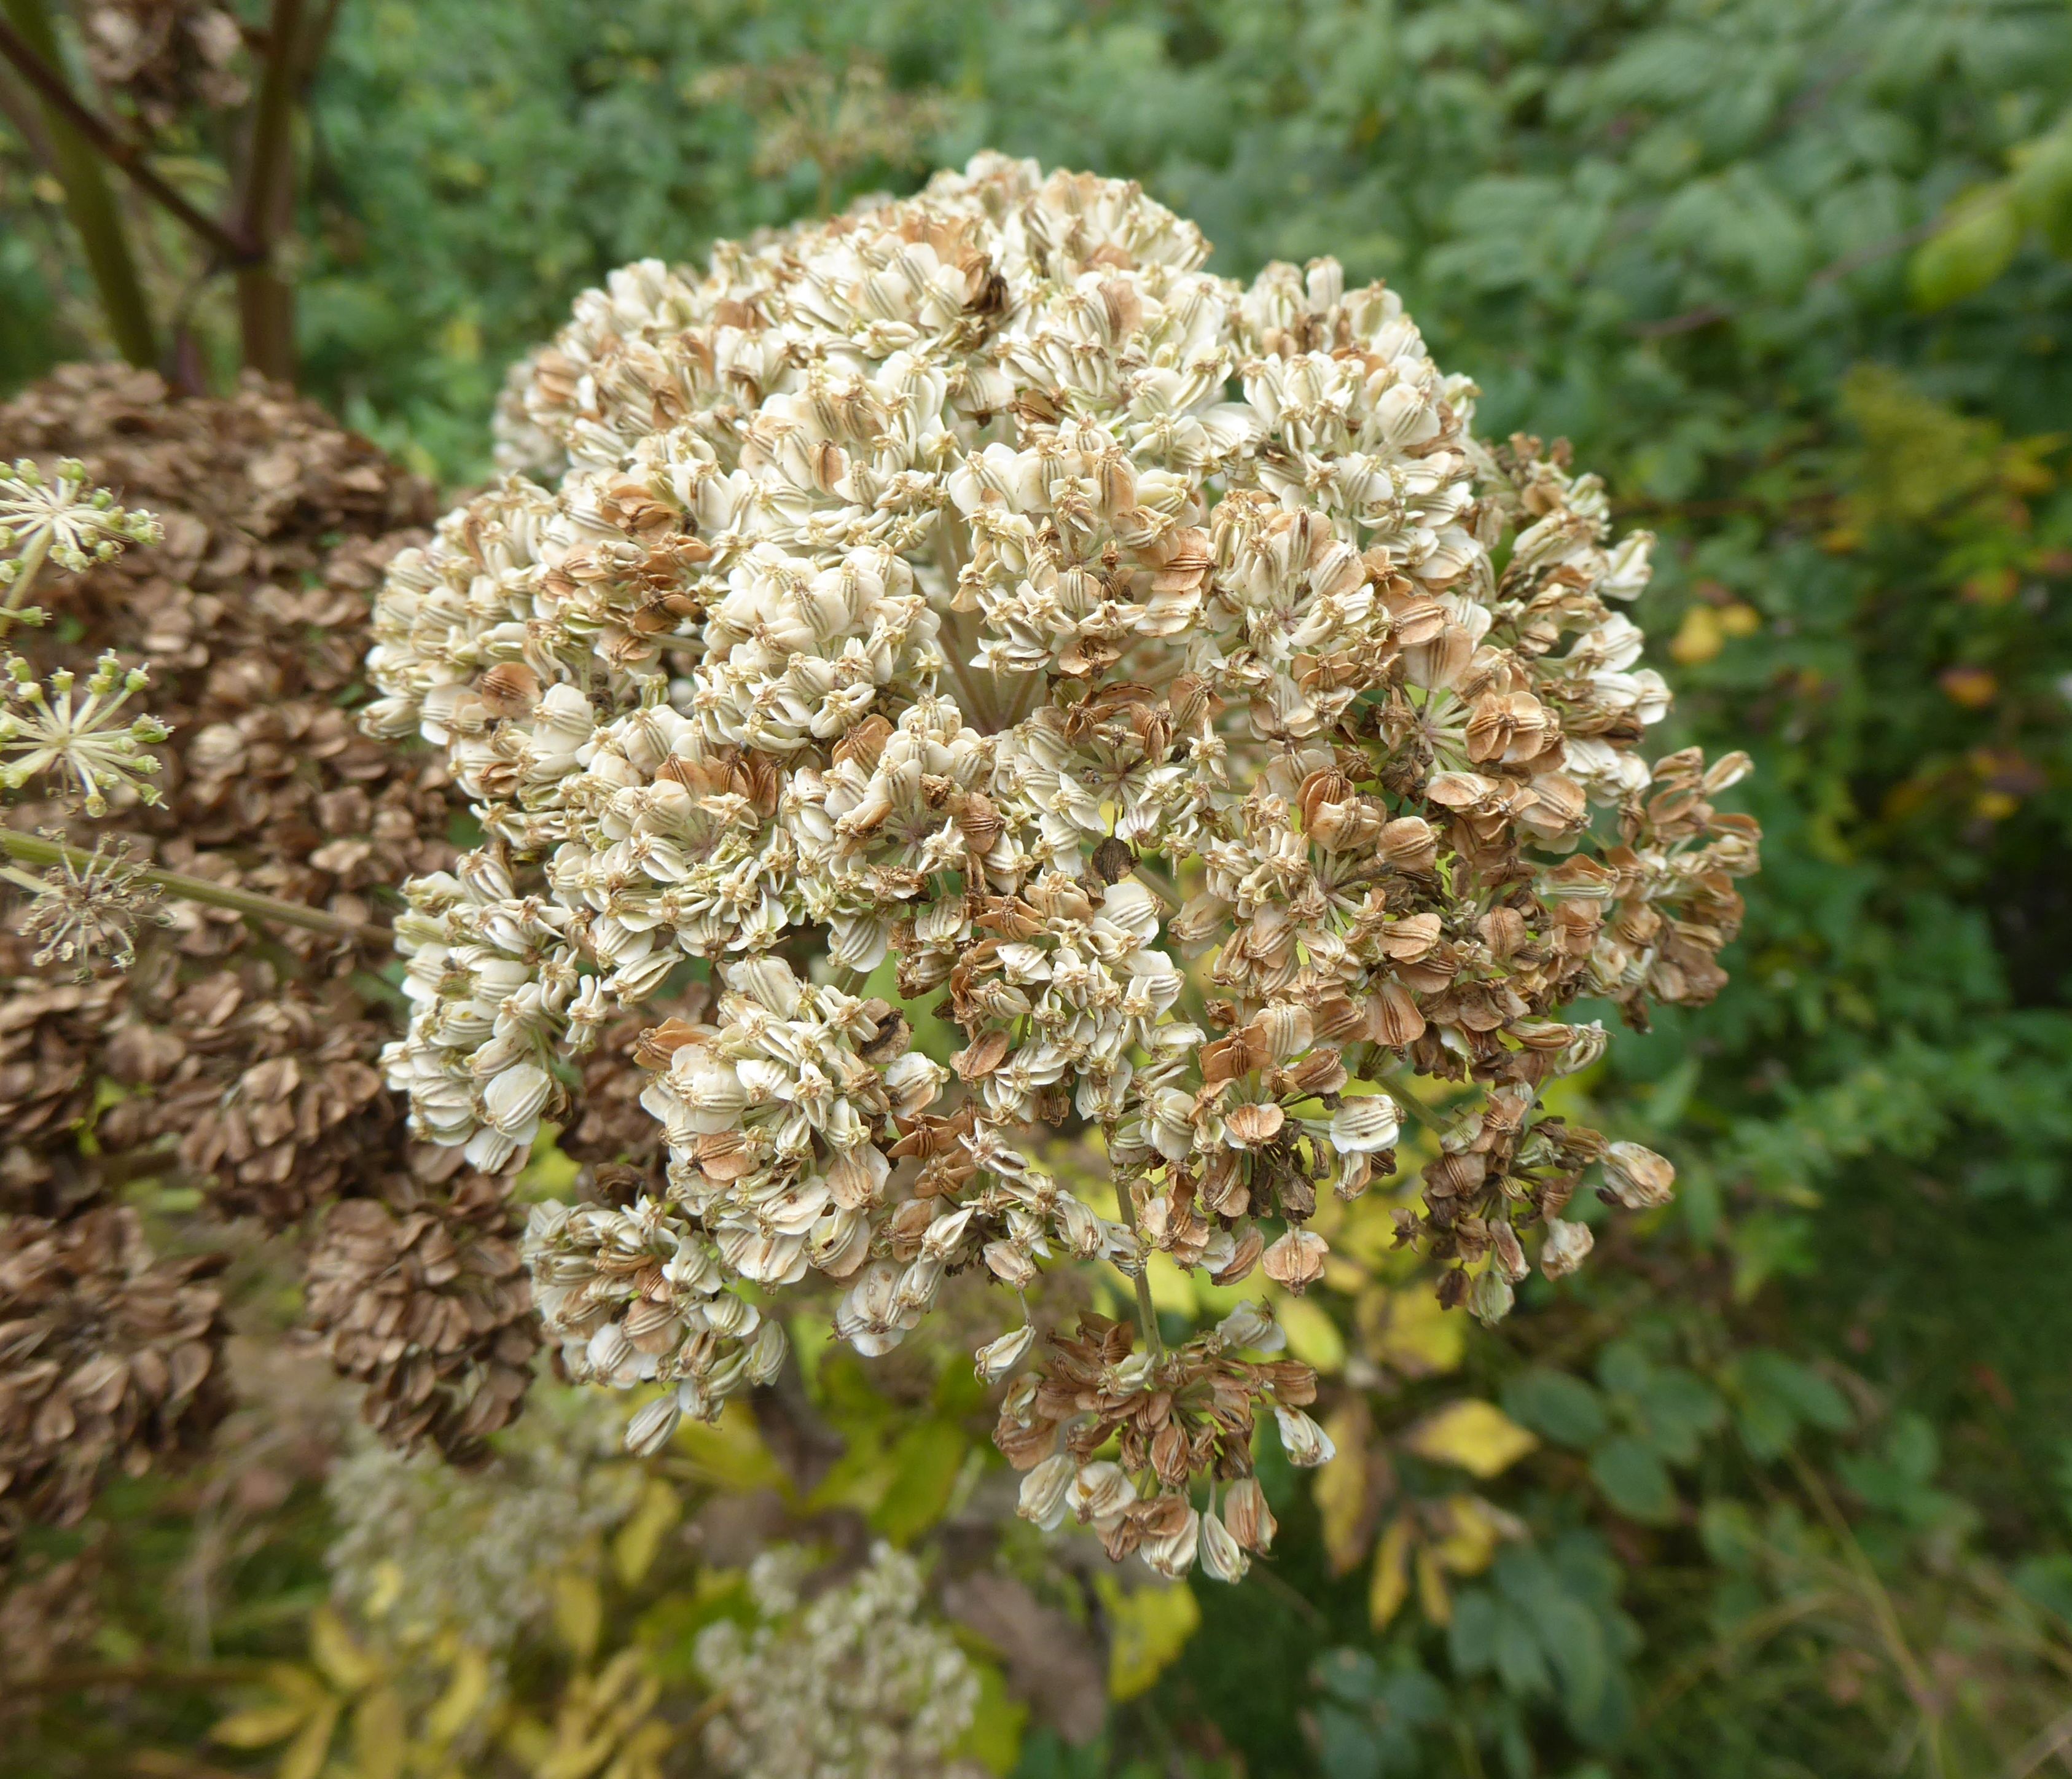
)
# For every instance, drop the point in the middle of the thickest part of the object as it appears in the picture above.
(1471, 1638)
(994, 1739)
(1634, 1481)
(1968, 252)
(1520, 1663)
(1564, 1408)
(1676, 1409)
(925, 1462)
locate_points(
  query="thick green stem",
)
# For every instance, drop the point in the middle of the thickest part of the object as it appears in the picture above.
(91, 204)
(34, 849)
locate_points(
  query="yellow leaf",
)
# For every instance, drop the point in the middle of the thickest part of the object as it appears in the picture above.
(1409, 1331)
(578, 1613)
(261, 1726)
(387, 1579)
(1467, 1549)
(633, 1549)
(1313, 1337)
(1740, 619)
(527, 1739)
(331, 1647)
(1698, 638)
(462, 1697)
(377, 1735)
(1479, 1436)
(640, 1756)
(1433, 1600)
(305, 1757)
(1391, 1585)
(1341, 1487)
(1147, 1630)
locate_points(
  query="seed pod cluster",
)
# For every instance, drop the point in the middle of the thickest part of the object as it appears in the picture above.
(971, 599)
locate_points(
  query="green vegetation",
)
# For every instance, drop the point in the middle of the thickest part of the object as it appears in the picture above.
(1797, 1498)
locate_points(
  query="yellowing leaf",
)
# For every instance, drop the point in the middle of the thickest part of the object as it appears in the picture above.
(1466, 1550)
(261, 1726)
(578, 1613)
(342, 1661)
(305, 1757)
(1433, 1599)
(1479, 1436)
(1391, 1584)
(1313, 1337)
(1698, 638)
(633, 1549)
(730, 1452)
(377, 1735)
(1341, 1487)
(387, 1588)
(1147, 1630)
(463, 1697)
(1408, 1331)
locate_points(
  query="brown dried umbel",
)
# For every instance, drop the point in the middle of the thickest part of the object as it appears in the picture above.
(252, 612)
(167, 56)
(263, 1088)
(244, 1058)
(423, 1300)
(108, 1358)
(49, 1034)
(247, 1060)
(1175, 1415)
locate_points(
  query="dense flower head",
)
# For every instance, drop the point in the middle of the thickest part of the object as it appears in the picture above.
(971, 599)
(854, 1682)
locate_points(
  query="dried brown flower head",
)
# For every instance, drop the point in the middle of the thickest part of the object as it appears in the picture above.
(108, 1356)
(422, 1299)
(971, 599)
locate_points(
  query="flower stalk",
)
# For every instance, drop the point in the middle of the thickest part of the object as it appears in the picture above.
(35, 849)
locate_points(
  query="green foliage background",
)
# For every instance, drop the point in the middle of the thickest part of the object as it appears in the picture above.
(1787, 272)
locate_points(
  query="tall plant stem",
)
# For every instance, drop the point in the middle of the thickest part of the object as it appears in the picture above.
(1147, 1313)
(34, 849)
(266, 300)
(100, 135)
(29, 41)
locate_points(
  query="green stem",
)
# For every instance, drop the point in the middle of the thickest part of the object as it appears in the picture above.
(33, 849)
(29, 564)
(91, 206)
(1147, 1314)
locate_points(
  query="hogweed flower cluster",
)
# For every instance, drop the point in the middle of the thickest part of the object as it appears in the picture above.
(68, 521)
(971, 599)
(85, 913)
(857, 1682)
(82, 735)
